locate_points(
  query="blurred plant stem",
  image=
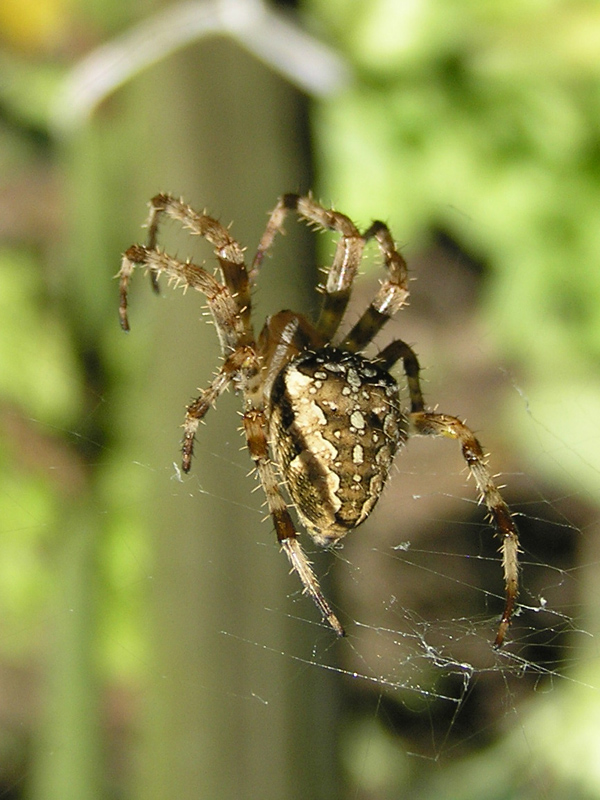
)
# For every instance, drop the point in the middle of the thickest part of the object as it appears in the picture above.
(69, 756)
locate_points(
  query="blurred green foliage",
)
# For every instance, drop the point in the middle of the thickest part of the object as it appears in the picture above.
(57, 351)
(482, 120)
(494, 110)
(38, 369)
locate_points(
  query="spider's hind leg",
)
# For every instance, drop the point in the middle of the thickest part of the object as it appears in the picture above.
(431, 424)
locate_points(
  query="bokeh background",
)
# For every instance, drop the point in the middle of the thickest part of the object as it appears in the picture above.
(152, 643)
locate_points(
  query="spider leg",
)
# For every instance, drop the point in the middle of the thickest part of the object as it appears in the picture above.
(198, 408)
(230, 326)
(347, 257)
(228, 251)
(431, 424)
(392, 294)
(297, 558)
(254, 423)
(400, 350)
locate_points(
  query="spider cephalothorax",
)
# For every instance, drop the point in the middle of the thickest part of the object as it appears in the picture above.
(317, 412)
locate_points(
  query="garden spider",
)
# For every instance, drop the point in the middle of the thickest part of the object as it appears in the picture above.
(321, 416)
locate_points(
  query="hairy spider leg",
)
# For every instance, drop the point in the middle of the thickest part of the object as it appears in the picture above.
(423, 423)
(395, 351)
(348, 253)
(392, 294)
(223, 308)
(230, 326)
(228, 252)
(198, 408)
(432, 424)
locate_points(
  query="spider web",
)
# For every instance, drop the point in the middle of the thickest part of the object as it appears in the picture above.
(419, 672)
(420, 590)
(419, 587)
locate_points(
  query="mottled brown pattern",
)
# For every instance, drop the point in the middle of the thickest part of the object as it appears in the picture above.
(336, 424)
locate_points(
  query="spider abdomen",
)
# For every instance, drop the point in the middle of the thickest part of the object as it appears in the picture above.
(335, 426)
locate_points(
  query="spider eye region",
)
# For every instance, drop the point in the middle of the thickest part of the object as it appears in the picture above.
(335, 426)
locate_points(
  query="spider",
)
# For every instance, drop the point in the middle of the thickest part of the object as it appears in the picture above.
(318, 415)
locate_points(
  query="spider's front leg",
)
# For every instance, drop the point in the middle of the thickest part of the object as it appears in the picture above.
(348, 253)
(234, 334)
(431, 424)
(229, 322)
(229, 253)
